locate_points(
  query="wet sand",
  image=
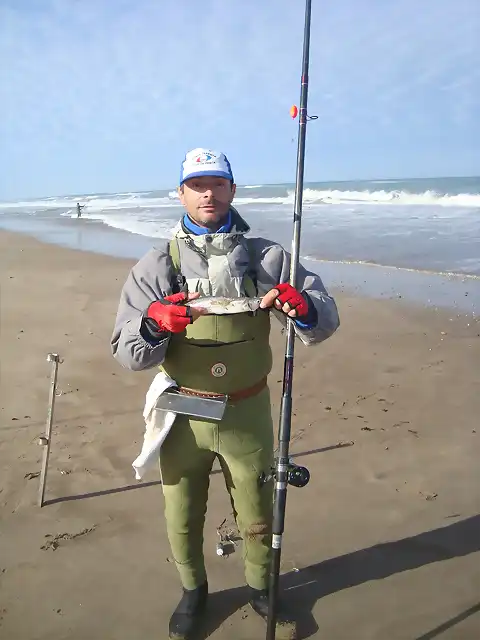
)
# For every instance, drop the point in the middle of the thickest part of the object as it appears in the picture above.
(383, 543)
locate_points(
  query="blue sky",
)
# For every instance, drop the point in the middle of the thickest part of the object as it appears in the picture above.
(107, 95)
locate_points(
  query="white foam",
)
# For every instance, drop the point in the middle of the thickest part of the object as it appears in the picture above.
(310, 196)
(143, 226)
(391, 197)
(332, 196)
(93, 203)
(253, 200)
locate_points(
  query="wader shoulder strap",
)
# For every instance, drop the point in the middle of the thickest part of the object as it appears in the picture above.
(251, 271)
(178, 281)
(174, 251)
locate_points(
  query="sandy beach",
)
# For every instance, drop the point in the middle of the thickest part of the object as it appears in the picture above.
(383, 544)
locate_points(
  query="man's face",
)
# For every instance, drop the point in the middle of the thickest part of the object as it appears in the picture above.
(207, 200)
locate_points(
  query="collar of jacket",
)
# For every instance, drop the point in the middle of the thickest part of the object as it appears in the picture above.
(192, 227)
(219, 241)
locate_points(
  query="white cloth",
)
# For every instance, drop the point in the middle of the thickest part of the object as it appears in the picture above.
(157, 424)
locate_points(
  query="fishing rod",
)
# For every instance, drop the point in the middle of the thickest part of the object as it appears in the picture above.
(285, 472)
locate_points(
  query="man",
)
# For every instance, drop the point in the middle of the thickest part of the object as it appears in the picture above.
(210, 254)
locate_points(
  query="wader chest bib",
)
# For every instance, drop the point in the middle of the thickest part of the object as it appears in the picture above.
(220, 354)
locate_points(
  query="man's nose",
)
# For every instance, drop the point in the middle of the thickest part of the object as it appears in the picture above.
(208, 193)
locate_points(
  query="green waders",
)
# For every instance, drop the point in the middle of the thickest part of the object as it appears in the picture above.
(243, 443)
(220, 354)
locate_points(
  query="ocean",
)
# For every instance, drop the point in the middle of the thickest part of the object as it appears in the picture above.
(353, 232)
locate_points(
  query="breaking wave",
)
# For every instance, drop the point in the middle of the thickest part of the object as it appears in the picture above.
(310, 196)
(391, 197)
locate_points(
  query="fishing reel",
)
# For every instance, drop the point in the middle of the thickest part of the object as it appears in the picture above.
(297, 476)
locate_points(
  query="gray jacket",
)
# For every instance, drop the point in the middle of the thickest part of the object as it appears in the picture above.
(213, 264)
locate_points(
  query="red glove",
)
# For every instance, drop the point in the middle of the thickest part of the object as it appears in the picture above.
(293, 297)
(169, 315)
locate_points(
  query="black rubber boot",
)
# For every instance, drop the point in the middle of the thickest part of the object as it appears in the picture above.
(286, 628)
(186, 617)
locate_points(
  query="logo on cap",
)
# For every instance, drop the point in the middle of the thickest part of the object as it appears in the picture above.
(205, 157)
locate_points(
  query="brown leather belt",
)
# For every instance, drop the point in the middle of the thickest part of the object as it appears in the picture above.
(236, 396)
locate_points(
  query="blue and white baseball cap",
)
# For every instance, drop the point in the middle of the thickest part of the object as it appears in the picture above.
(205, 162)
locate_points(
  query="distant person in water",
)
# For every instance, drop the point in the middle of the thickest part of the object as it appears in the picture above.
(79, 209)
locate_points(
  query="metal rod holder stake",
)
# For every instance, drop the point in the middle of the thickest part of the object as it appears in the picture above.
(45, 440)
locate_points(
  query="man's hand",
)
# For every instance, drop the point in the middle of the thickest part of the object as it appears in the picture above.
(171, 315)
(287, 299)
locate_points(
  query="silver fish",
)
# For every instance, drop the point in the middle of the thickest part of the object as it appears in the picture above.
(217, 305)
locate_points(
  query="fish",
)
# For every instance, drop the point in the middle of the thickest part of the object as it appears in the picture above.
(218, 305)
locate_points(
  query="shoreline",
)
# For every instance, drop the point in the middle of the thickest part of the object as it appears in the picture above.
(385, 416)
(458, 292)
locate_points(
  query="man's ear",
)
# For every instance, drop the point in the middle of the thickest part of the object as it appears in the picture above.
(180, 194)
(234, 189)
